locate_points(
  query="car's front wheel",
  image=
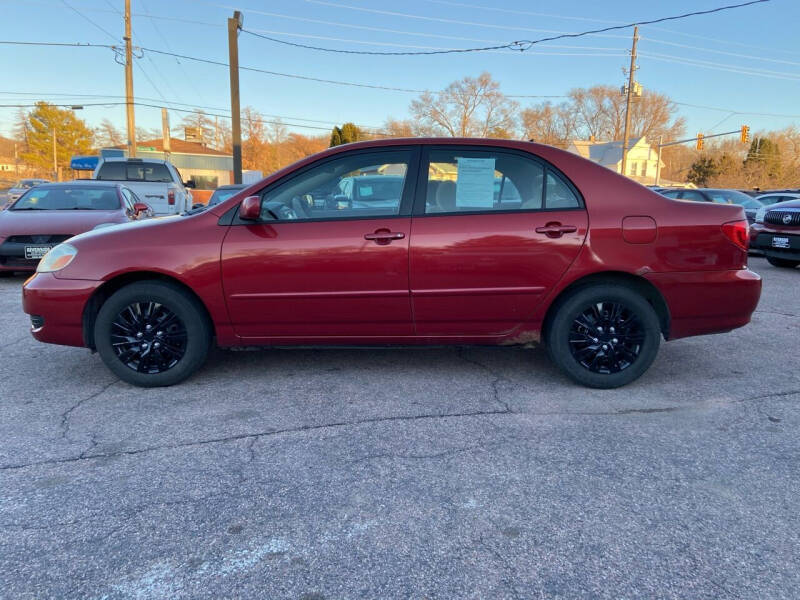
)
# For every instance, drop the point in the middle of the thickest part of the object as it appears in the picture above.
(782, 262)
(152, 333)
(603, 336)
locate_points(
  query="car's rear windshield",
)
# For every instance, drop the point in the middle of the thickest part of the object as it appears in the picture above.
(378, 188)
(139, 171)
(74, 197)
(733, 197)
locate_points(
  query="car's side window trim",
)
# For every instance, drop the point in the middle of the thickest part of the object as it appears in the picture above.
(547, 167)
(231, 217)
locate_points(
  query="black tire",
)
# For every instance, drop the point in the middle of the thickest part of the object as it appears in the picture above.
(783, 263)
(603, 355)
(135, 312)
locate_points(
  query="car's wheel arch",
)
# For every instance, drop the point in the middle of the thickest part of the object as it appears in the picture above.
(105, 291)
(628, 280)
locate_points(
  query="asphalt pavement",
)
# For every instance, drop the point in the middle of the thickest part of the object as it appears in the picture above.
(427, 473)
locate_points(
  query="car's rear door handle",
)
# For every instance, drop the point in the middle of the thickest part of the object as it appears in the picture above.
(384, 236)
(556, 229)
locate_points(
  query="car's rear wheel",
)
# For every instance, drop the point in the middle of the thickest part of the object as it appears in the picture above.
(782, 262)
(152, 333)
(603, 336)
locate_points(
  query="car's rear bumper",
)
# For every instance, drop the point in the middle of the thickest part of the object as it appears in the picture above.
(702, 302)
(56, 306)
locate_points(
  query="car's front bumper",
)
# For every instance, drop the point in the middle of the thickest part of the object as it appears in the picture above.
(702, 302)
(762, 236)
(56, 307)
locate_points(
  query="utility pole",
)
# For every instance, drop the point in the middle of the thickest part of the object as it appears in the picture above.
(631, 82)
(165, 135)
(234, 25)
(129, 82)
(658, 159)
(55, 157)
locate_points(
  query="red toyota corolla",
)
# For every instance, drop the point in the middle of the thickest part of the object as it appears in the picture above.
(415, 241)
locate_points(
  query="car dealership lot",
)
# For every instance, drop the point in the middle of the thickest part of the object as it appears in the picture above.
(474, 472)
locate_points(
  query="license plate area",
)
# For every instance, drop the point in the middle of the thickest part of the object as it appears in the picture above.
(36, 252)
(780, 242)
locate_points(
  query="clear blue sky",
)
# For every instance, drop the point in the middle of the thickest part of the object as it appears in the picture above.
(746, 60)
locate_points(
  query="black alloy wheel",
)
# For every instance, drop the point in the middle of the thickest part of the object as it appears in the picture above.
(606, 337)
(152, 333)
(603, 335)
(148, 337)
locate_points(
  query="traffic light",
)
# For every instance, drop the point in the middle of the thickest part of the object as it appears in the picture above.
(699, 141)
(745, 134)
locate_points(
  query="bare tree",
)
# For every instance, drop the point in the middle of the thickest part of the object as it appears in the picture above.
(471, 107)
(106, 135)
(398, 128)
(599, 111)
(549, 124)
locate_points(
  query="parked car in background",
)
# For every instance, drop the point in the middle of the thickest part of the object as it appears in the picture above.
(718, 196)
(157, 182)
(22, 186)
(777, 197)
(776, 233)
(591, 264)
(50, 213)
(224, 192)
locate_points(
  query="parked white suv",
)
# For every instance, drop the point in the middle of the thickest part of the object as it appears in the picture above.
(156, 182)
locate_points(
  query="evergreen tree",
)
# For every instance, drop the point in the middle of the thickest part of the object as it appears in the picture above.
(336, 137)
(72, 136)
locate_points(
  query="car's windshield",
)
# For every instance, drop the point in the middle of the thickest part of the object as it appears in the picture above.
(73, 197)
(374, 189)
(134, 171)
(222, 195)
(734, 197)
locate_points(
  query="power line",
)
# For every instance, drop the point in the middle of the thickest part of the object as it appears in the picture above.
(618, 51)
(723, 67)
(94, 24)
(518, 45)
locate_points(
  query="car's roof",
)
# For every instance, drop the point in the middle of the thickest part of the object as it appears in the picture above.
(371, 176)
(233, 186)
(80, 182)
(784, 205)
(135, 160)
(764, 195)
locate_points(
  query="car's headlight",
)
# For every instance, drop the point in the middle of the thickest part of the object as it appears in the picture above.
(760, 214)
(58, 258)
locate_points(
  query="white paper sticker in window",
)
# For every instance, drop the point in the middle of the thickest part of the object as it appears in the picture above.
(475, 183)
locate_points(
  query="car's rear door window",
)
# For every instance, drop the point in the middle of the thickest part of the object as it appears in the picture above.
(492, 180)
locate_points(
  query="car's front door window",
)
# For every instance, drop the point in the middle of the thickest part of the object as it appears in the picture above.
(326, 191)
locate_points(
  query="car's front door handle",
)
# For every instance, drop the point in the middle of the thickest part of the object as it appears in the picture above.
(384, 236)
(556, 229)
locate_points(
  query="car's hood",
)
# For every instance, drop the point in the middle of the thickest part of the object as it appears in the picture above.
(794, 204)
(32, 222)
(145, 223)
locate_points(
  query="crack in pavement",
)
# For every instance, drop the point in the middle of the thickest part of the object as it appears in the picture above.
(65, 416)
(303, 428)
(495, 383)
(244, 436)
(775, 312)
(449, 452)
(15, 341)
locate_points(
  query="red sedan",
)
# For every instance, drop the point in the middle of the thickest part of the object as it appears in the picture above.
(50, 213)
(467, 242)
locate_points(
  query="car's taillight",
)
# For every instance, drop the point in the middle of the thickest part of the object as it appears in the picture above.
(737, 232)
(171, 197)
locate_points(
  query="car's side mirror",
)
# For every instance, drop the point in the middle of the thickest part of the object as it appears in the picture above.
(190, 184)
(140, 208)
(250, 208)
